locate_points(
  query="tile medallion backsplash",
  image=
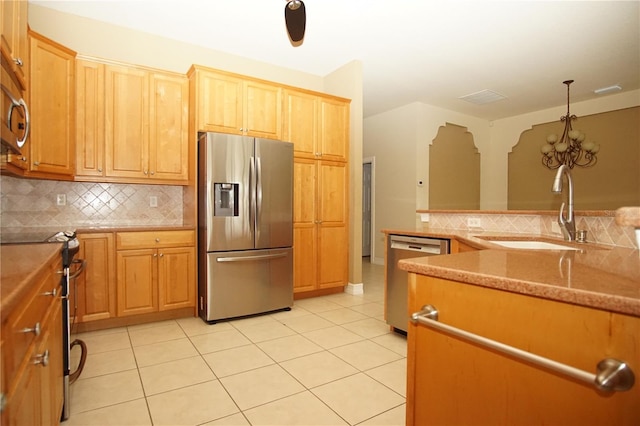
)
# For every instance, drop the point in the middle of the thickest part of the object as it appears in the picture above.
(34, 203)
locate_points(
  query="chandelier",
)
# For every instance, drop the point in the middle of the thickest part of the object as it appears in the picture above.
(571, 149)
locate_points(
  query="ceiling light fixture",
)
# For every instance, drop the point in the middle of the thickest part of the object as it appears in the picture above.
(608, 89)
(571, 148)
(295, 17)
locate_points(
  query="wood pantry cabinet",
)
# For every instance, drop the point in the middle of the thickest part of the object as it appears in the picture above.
(132, 124)
(320, 217)
(451, 381)
(32, 354)
(52, 105)
(93, 295)
(229, 103)
(155, 271)
(14, 45)
(318, 127)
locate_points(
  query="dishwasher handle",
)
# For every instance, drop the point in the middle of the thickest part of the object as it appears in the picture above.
(423, 245)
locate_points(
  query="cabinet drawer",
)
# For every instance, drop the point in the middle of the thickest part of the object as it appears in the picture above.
(154, 239)
(32, 313)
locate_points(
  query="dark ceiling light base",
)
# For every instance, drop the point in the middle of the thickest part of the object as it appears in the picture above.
(295, 16)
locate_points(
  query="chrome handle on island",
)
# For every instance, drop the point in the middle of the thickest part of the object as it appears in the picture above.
(612, 375)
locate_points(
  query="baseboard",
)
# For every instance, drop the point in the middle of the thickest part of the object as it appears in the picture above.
(354, 288)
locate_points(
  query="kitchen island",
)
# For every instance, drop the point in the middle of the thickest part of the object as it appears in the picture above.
(575, 307)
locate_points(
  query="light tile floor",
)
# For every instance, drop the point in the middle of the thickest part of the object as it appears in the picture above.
(331, 360)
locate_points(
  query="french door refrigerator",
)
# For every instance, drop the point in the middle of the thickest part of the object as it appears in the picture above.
(245, 226)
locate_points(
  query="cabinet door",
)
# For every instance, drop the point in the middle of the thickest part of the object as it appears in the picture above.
(14, 41)
(51, 390)
(95, 289)
(304, 225)
(169, 127)
(89, 118)
(24, 404)
(333, 252)
(219, 103)
(334, 129)
(300, 122)
(52, 107)
(176, 278)
(137, 281)
(126, 132)
(262, 110)
(444, 371)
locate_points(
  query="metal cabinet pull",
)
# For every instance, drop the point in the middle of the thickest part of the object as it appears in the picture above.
(18, 62)
(42, 358)
(35, 330)
(612, 375)
(251, 258)
(52, 293)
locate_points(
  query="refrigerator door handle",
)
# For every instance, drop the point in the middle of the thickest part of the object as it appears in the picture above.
(251, 258)
(252, 192)
(258, 196)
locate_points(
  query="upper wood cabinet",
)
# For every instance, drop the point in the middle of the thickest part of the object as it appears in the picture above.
(14, 44)
(132, 124)
(318, 126)
(127, 113)
(228, 103)
(89, 118)
(333, 135)
(52, 105)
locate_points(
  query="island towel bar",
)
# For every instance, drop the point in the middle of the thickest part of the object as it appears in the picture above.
(612, 375)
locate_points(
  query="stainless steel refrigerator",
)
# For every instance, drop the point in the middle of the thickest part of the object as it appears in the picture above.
(245, 226)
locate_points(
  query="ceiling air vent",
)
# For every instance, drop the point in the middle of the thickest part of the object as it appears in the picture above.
(483, 97)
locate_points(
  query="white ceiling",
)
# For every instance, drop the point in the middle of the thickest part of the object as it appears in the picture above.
(431, 51)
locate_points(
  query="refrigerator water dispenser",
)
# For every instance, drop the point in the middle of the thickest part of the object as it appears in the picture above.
(225, 199)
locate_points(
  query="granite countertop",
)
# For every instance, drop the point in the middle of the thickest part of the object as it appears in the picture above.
(20, 265)
(597, 276)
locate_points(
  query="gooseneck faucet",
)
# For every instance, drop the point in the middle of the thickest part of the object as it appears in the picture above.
(567, 222)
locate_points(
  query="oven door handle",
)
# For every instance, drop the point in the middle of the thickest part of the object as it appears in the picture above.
(77, 272)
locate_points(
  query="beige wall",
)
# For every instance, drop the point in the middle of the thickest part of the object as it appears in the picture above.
(454, 170)
(612, 183)
(506, 132)
(92, 38)
(399, 141)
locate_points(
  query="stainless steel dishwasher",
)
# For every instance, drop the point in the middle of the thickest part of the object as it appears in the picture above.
(405, 247)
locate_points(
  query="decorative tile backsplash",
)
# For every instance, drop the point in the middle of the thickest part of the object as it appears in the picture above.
(34, 203)
(600, 229)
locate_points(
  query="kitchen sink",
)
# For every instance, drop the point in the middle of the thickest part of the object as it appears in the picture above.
(532, 245)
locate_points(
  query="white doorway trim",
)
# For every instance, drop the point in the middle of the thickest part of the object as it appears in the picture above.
(372, 189)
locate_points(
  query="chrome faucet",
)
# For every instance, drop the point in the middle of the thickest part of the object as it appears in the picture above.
(567, 222)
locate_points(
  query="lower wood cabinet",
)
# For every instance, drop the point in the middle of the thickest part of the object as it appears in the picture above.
(451, 381)
(93, 294)
(32, 355)
(155, 271)
(320, 217)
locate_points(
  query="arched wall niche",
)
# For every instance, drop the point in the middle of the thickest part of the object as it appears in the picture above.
(454, 170)
(613, 182)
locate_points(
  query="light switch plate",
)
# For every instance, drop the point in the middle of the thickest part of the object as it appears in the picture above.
(153, 201)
